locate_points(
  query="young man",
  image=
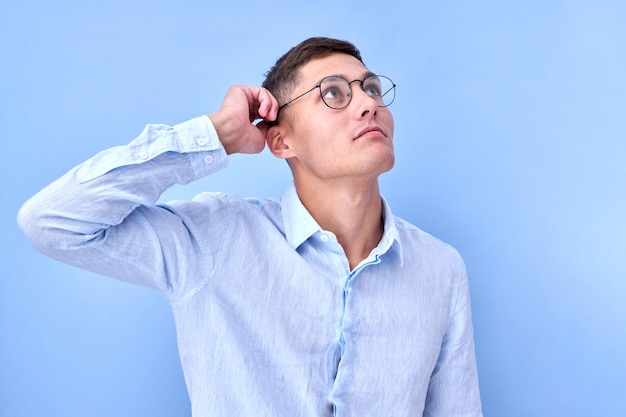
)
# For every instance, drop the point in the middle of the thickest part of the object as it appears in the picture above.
(320, 303)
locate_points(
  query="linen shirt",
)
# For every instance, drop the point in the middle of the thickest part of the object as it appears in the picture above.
(270, 319)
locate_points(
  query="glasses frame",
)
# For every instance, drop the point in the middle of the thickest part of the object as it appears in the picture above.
(319, 86)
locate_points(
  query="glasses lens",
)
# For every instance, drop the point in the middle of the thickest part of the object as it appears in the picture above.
(381, 88)
(335, 92)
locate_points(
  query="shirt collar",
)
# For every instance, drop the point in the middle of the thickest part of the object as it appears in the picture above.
(300, 225)
(390, 233)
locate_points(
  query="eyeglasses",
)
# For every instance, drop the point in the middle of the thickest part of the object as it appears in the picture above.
(336, 91)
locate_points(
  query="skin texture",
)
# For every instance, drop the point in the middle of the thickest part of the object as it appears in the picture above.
(336, 156)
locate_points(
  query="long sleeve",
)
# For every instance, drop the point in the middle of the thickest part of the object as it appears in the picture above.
(453, 389)
(101, 215)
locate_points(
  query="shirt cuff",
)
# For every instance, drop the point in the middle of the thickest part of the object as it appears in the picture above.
(197, 135)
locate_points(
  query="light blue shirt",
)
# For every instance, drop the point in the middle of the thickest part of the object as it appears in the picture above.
(270, 319)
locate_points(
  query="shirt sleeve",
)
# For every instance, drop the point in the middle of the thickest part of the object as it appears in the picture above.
(453, 388)
(102, 215)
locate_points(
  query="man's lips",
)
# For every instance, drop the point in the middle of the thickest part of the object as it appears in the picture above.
(370, 129)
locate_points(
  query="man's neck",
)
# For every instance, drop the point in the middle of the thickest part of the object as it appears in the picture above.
(352, 211)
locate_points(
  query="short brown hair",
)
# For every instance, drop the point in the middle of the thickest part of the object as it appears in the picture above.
(283, 77)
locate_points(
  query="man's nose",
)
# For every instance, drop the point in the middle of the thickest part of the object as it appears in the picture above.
(365, 102)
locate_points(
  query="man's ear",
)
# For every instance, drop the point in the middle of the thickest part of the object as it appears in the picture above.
(277, 143)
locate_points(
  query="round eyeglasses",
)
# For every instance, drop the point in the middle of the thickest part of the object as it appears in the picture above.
(336, 91)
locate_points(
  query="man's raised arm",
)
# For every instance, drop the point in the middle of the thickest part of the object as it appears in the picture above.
(102, 215)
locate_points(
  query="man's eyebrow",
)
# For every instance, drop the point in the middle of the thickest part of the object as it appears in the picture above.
(345, 77)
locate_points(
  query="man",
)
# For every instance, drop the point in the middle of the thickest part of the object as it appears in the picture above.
(316, 304)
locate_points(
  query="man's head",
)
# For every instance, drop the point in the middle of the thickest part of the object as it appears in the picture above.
(343, 131)
(283, 77)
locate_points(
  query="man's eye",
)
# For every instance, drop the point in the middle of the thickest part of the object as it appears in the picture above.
(372, 90)
(333, 93)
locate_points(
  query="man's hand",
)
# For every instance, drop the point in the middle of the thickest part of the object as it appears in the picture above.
(234, 121)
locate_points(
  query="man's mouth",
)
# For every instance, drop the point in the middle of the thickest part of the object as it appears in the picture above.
(370, 129)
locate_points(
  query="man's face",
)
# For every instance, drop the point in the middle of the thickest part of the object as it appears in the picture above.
(353, 142)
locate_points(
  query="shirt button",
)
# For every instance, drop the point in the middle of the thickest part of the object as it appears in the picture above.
(143, 155)
(208, 159)
(201, 141)
(324, 238)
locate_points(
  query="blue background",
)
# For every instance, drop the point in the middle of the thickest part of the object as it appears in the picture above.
(511, 145)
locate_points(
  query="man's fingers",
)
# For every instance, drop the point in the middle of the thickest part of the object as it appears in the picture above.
(242, 121)
(268, 105)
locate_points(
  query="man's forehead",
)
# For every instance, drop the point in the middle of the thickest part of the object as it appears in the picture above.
(338, 64)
